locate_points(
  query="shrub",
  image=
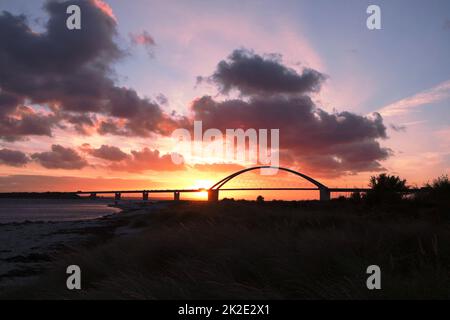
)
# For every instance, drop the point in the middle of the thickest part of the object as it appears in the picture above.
(439, 189)
(355, 196)
(386, 188)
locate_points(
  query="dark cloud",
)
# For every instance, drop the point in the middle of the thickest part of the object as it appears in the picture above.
(82, 123)
(25, 121)
(162, 99)
(252, 74)
(13, 158)
(60, 158)
(8, 103)
(144, 117)
(143, 39)
(59, 65)
(110, 127)
(70, 74)
(338, 143)
(398, 128)
(311, 139)
(70, 71)
(145, 160)
(106, 152)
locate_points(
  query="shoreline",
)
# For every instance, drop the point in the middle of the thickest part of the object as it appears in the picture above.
(28, 248)
(255, 250)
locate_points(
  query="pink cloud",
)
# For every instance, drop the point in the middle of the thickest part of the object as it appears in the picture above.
(143, 38)
(406, 105)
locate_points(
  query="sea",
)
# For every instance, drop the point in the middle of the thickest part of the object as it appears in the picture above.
(21, 210)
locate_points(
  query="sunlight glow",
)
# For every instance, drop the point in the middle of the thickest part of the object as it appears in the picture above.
(203, 184)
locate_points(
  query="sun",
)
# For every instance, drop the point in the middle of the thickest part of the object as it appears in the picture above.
(204, 185)
(202, 195)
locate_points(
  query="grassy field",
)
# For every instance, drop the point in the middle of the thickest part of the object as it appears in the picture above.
(267, 250)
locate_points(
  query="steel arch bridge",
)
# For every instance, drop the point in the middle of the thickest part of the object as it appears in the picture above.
(213, 192)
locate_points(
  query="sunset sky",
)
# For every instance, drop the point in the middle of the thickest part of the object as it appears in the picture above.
(95, 108)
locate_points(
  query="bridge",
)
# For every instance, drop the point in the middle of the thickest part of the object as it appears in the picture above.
(324, 191)
(213, 192)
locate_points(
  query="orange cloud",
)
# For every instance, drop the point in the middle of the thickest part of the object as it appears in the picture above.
(147, 160)
(43, 183)
(105, 8)
(222, 167)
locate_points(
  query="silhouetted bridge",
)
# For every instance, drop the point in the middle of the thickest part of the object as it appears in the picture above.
(213, 192)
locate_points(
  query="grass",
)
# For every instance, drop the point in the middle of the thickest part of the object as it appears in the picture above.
(269, 250)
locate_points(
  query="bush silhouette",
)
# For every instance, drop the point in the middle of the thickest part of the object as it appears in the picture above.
(439, 189)
(386, 188)
(355, 196)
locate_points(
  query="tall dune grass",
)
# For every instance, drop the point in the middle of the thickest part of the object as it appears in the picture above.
(266, 250)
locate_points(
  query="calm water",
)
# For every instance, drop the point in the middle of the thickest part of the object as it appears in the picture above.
(19, 210)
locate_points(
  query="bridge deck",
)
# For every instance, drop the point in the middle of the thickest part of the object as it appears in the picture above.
(229, 189)
(139, 191)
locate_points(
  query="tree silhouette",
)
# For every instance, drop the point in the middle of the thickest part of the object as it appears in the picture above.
(386, 188)
(439, 189)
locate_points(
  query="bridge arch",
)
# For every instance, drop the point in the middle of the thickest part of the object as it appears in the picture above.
(213, 192)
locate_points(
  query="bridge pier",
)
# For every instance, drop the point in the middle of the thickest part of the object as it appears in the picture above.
(117, 196)
(213, 195)
(145, 196)
(176, 196)
(325, 194)
(93, 196)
